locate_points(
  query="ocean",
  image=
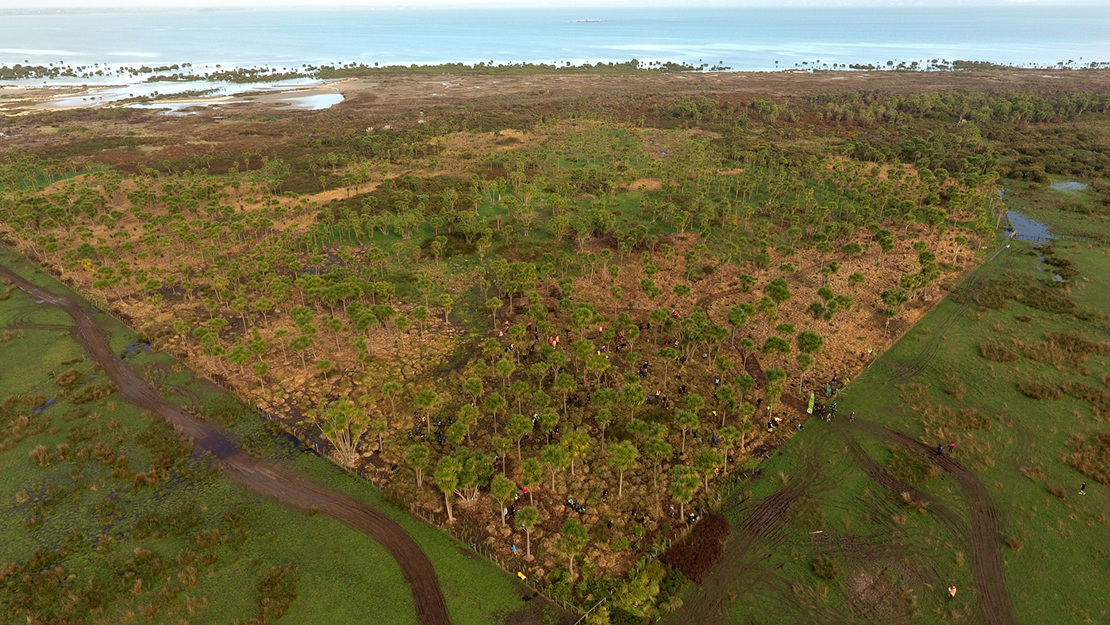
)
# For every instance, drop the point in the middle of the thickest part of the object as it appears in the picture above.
(739, 38)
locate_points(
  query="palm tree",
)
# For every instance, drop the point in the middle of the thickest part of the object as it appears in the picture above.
(622, 456)
(684, 483)
(502, 489)
(531, 476)
(557, 459)
(447, 478)
(566, 383)
(685, 420)
(517, 428)
(416, 456)
(529, 518)
(657, 450)
(572, 538)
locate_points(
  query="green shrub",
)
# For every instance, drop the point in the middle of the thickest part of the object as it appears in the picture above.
(825, 568)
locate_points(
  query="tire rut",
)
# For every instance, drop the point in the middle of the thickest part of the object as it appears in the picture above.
(984, 532)
(739, 565)
(262, 476)
(924, 356)
(986, 555)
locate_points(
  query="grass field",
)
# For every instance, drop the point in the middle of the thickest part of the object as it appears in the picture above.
(109, 519)
(851, 549)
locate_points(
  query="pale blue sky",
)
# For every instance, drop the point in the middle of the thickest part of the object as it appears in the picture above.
(165, 4)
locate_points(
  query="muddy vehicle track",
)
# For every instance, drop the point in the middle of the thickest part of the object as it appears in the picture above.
(896, 486)
(985, 536)
(265, 477)
(756, 533)
(983, 532)
(924, 356)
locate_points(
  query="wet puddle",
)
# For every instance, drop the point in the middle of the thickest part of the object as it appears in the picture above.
(1025, 229)
(1068, 186)
(133, 348)
(315, 102)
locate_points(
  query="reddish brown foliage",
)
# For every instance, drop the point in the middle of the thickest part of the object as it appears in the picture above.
(702, 547)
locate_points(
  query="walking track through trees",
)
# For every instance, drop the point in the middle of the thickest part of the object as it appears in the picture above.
(262, 476)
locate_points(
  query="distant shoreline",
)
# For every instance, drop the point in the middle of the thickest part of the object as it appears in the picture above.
(390, 93)
(83, 76)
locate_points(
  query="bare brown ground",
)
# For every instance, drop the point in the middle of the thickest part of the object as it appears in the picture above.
(262, 476)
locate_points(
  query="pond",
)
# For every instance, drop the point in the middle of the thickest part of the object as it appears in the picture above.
(1025, 229)
(179, 108)
(315, 102)
(1071, 185)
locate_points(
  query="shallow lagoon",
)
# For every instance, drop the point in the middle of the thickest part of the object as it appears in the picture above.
(315, 102)
(1071, 185)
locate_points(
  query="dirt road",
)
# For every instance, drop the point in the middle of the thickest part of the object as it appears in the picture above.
(265, 477)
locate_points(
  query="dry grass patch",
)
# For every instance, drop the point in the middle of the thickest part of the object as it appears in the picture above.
(910, 466)
(1065, 349)
(1039, 390)
(1098, 398)
(1091, 457)
(965, 419)
(997, 353)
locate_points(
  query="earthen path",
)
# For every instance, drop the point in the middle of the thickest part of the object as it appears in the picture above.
(262, 476)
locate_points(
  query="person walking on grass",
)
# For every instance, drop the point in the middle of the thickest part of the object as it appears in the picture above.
(1083, 488)
(951, 593)
(951, 447)
(940, 450)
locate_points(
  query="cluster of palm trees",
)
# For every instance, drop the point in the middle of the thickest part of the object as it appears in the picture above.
(344, 307)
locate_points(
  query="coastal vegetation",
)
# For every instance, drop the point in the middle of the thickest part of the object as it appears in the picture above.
(566, 330)
(187, 72)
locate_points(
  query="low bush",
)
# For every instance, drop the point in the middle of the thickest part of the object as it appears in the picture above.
(1096, 396)
(41, 455)
(910, 466)
(825, 568)
(997, 353)
(1039, 390)
(1091, 457)
(276, 591)
(91, 392)
(66, 379)
(966, 419)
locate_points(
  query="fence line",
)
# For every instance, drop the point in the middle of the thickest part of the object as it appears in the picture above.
(480, 548)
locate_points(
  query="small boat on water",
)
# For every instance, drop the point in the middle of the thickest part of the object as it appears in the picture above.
(586, 20)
